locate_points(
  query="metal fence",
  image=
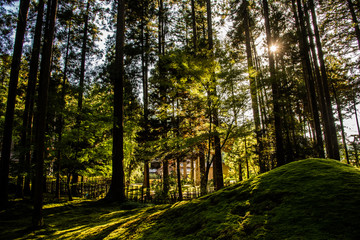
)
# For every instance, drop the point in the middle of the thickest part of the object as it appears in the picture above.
(97, 189)
(139, 193)
(89, 189)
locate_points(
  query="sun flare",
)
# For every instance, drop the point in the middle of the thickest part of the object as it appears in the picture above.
(274, 48)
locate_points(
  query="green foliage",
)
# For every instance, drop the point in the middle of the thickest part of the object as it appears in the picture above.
(184, 105)
(4, 77)
(182, 83)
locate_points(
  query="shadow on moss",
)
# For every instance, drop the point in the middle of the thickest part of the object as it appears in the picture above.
(308, 199)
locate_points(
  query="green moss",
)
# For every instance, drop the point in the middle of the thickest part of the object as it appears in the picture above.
(308, 199)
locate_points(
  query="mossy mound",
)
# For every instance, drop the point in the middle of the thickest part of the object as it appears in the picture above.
(308, 199)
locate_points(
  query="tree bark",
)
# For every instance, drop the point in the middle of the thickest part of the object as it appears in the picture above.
(333, 142)
(355, 112)
(68, 185)
(144, 68)
(11, 101)
(320, 90)
(356, 152)
(166, 184)
(193, 18)
(217, 163)
(308, 77)
(338, 108)
(60, 117)
(40, 118)
(160, 28)
(178, 174)
(246, 159)
(203, 176)
(355, 21)
(240, 171)
(275, 91)
(75, 178)
(253, 87)
(117, 187)
(83, 58)
(161, 52)
(25, 155)
(192, 169)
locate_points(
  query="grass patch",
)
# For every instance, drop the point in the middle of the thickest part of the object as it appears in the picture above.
(308, 199)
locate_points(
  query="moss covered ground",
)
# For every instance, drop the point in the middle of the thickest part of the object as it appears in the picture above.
(308, 199)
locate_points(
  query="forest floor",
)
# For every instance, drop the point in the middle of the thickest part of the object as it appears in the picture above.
(308, 199)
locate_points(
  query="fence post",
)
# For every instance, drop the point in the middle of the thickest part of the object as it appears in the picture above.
(131, 192)
(94, 188)
(82, 185)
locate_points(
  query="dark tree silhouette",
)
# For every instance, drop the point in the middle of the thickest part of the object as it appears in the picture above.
(217, 163)
(25, 156)
(40, 117)
(275, 91)
(10, 105)
(117, 187)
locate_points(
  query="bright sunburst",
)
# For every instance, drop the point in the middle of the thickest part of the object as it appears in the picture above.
(274, 48)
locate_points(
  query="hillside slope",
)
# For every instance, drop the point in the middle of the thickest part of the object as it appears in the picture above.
(308, 199)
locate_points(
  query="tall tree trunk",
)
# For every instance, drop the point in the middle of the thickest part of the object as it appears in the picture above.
(320, 90)
(146, 182)
(246, 159)
(192, 170)
(355, 112)
(338, 108)
(356, 152)
(83, 59)
(203, 176)
(40, 118)
(193, 18)
(333, 142)
(177, 130)
(275, 91)
(161, 49)
(144, 68)
(240, 171)
(24, 159)
(178, 175)
(203, 184)
(262, 96)
(75, 178)
(166, 184)
(58, 161)
(184, 170)
(117, 187)
(160, 27)
(68, 186)
(308, 76)
(60, 117)
(253, 87)
(11, 100)
(288, 112)
(217, 163)
(355, 21)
